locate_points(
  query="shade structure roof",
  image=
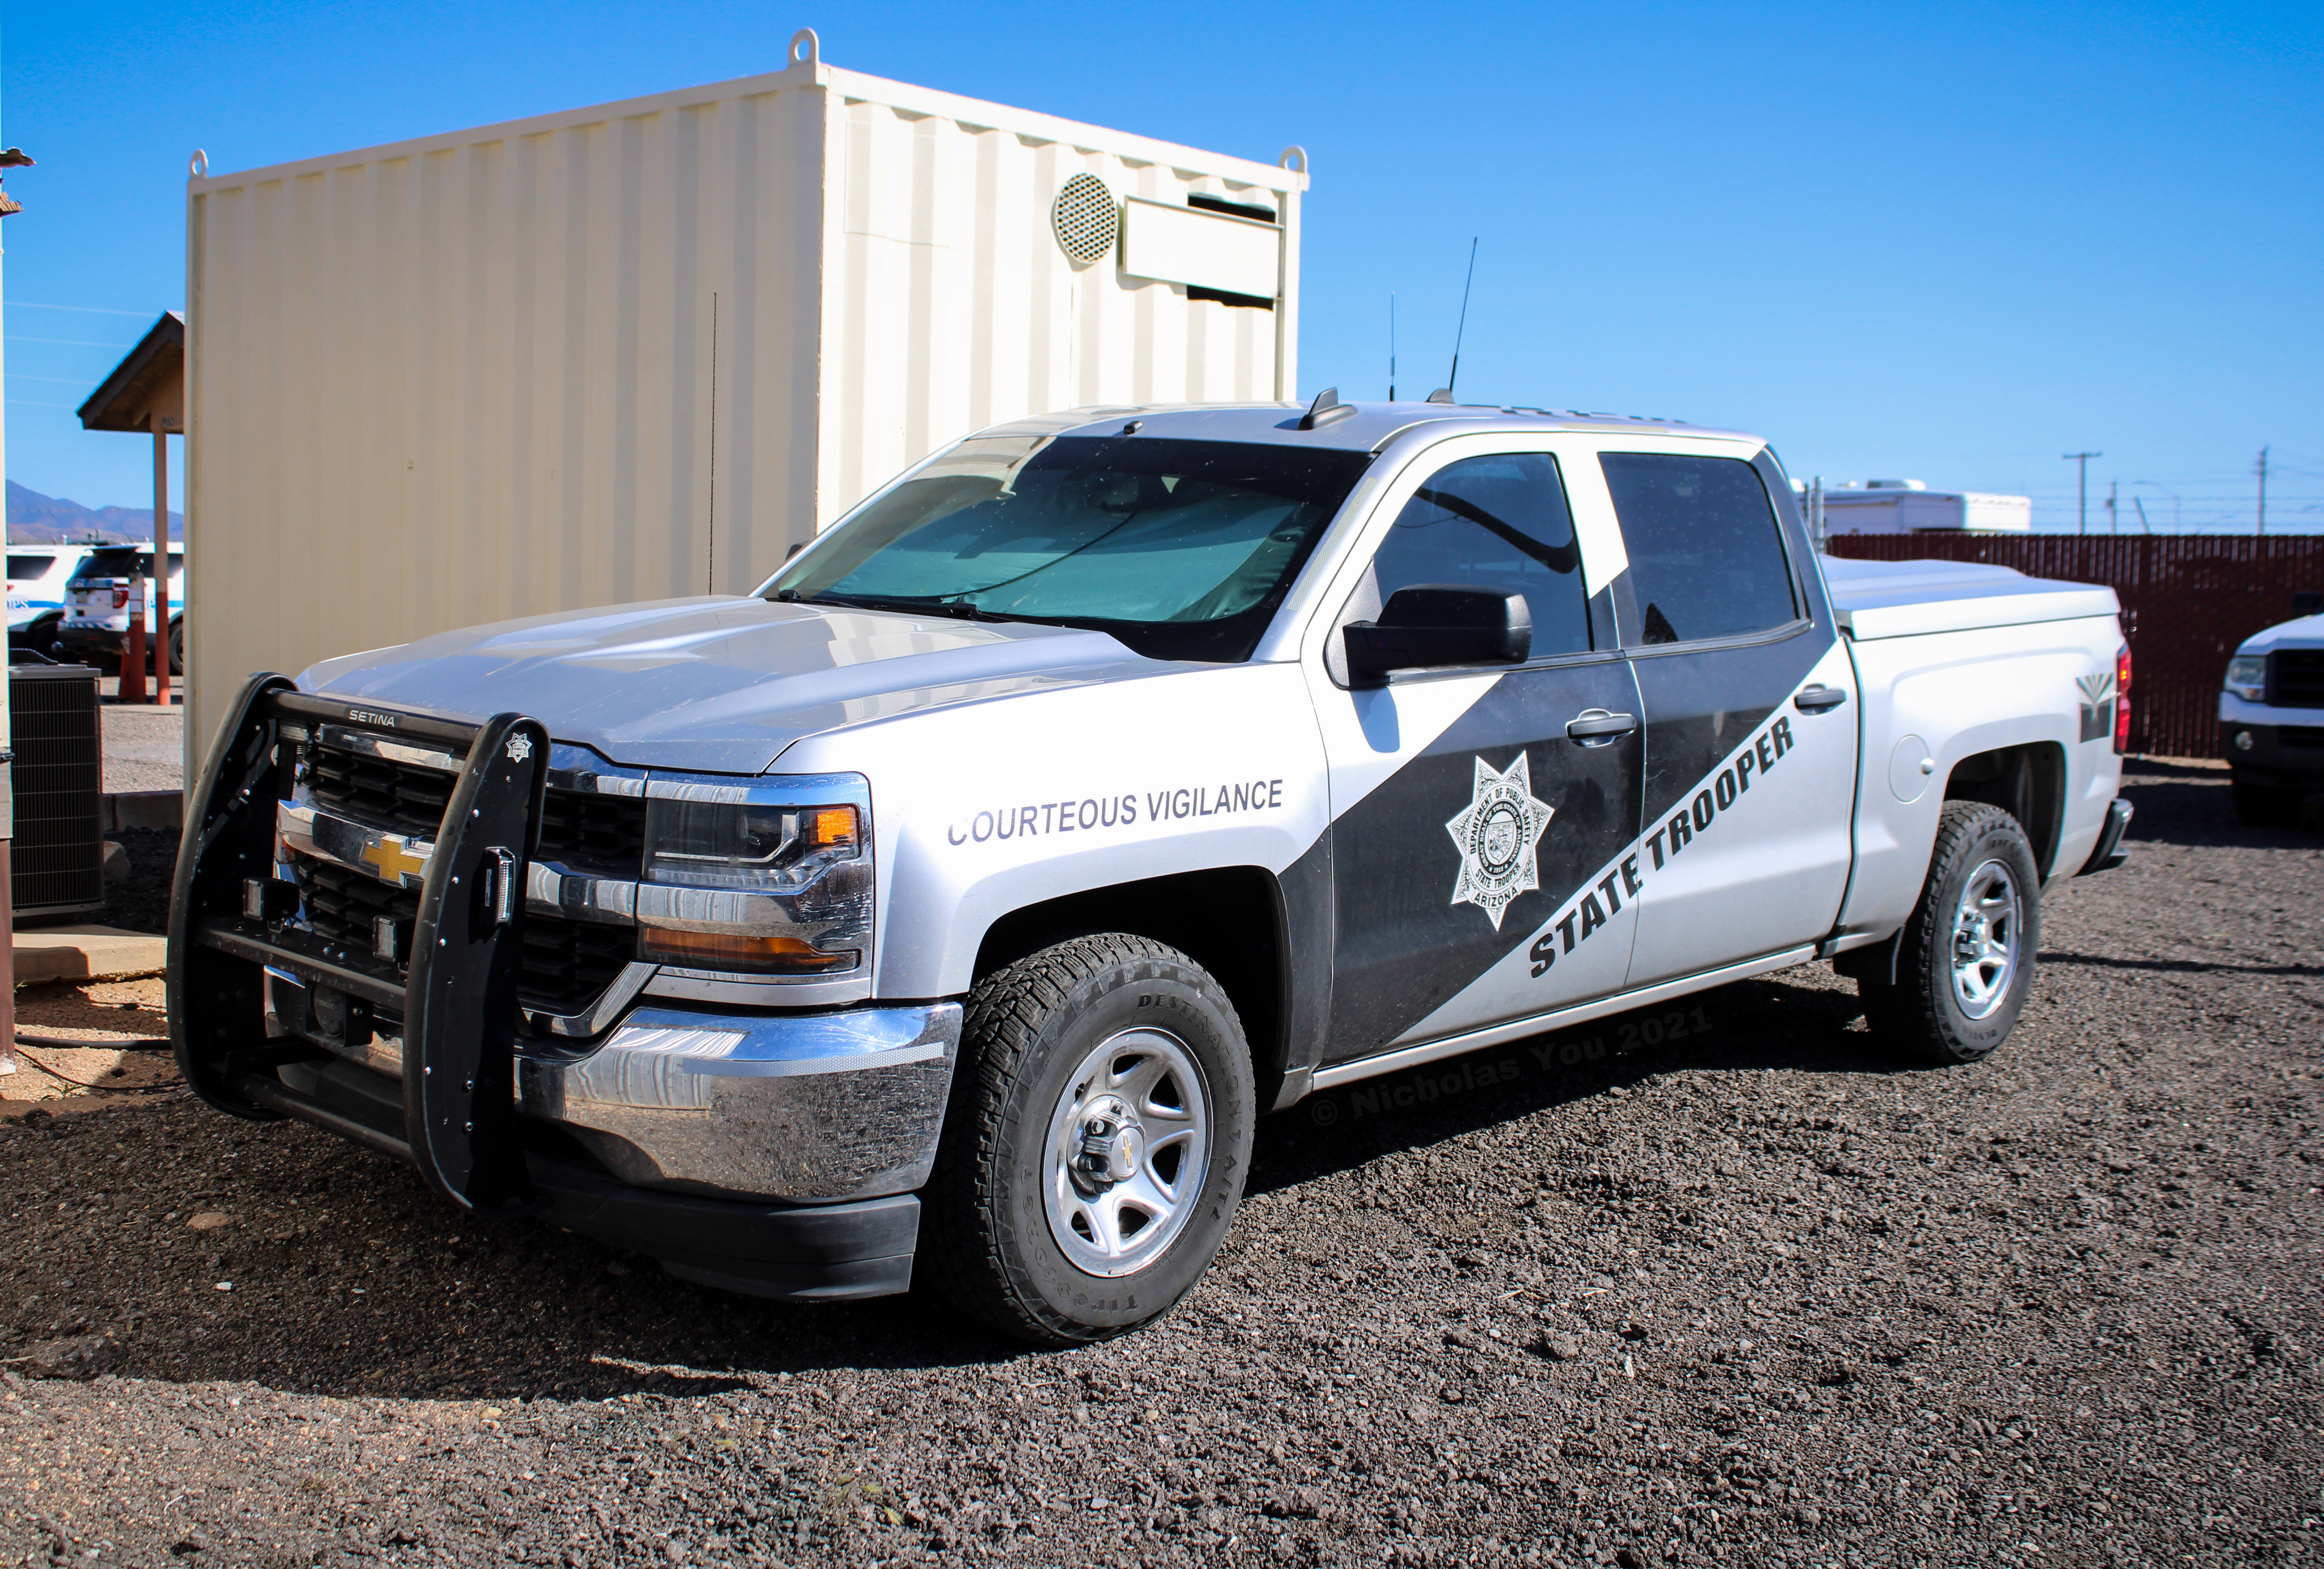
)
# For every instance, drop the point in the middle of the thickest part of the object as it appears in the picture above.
(149, 385)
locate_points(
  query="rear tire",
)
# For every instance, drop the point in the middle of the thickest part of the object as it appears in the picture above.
(1965, 960)
(1095, 1147)
(2267, 806)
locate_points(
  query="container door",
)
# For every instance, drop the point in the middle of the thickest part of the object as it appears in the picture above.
(1750, 710)
(1466, 817)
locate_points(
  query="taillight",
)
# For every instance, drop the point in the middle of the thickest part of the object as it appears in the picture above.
(120, 596)
(2122, 700)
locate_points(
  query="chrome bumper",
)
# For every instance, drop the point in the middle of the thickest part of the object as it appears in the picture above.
(804, 1107)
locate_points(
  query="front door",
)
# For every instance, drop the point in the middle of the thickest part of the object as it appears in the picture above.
(1750, 710)
(1467, 817)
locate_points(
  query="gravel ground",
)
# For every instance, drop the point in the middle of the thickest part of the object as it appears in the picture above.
(1754, 1293)
(145, 746)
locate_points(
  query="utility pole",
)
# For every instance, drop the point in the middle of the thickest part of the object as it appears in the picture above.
(10, 157)
(2114, 489)
(2263, 490)
(2082, 509)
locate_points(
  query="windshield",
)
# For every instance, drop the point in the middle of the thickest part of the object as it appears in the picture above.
(1182, 549)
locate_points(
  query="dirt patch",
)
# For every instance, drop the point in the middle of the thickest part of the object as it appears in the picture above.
(1748, 1291)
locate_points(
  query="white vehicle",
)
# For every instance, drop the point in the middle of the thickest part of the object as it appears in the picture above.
(1102, 783)
(37, 575)
(96, 624)
(2272, 720)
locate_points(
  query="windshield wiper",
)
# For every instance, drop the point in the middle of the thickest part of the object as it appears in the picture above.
(956, 609)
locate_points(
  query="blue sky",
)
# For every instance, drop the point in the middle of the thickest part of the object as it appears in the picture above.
(1950, 242)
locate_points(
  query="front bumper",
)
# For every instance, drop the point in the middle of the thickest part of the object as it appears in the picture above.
(772, 1153)
(2283, 756)
(811, 1108)
(761, 1248)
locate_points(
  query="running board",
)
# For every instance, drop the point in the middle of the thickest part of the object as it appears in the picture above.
(1404, 1056)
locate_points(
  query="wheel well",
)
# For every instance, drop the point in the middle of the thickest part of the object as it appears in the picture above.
(1228, 920)
(2028, 782)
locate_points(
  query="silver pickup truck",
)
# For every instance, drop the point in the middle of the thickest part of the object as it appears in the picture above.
(965, 894)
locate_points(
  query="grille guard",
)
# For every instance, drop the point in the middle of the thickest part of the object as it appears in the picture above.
(458, 996)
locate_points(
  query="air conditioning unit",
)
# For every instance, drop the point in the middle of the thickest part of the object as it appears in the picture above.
(58, 856)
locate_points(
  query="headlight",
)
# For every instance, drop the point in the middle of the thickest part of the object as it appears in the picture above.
(745, 845)
(756, 886)
(2248, 676)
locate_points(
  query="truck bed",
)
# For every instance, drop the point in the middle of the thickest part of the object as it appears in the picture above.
(1884, 599)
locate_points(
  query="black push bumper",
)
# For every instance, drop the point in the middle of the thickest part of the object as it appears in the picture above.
(452, 990)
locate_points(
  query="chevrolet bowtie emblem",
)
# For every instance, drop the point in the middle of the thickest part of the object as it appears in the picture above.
(394, 860)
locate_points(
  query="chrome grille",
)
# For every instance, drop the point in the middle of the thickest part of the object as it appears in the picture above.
(568, 963)
(401, 796)
(587, 832)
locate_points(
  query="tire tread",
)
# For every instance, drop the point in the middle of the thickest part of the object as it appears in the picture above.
(967, 1262)
(1907, 1011)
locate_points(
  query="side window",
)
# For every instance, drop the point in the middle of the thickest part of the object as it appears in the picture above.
(1496, 523)
(1706, 554)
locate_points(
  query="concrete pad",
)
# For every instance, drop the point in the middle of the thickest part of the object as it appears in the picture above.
(82, 953)
(143, 810)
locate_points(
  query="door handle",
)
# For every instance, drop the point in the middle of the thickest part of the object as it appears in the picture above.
(1816, 699)
(1597, 727)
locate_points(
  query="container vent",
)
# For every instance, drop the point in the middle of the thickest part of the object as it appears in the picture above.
(1086, 218)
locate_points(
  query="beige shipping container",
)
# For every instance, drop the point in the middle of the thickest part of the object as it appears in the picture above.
(638, 351)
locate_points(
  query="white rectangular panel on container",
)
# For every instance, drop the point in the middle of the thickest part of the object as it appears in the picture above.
(639, 351)
(1207, 250)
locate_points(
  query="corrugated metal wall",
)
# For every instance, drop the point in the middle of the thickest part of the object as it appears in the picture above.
(2189, 598)
(637, 351)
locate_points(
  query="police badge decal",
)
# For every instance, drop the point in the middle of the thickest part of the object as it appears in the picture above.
(1496, 835)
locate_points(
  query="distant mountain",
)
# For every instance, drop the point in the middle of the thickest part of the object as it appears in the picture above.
(37, 518)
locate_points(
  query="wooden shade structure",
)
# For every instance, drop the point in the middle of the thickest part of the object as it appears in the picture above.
(147, 391)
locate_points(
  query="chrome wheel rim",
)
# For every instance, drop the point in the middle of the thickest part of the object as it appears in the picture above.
(1128, 1148)
(1984, 939)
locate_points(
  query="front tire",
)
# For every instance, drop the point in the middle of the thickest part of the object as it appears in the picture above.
(1097, 1141)
(1965, 960)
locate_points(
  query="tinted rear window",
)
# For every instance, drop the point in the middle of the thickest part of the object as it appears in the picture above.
(30, 565)
(125, 562)
(1706, 555)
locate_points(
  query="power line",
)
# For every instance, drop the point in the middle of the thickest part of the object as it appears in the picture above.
(89, 310)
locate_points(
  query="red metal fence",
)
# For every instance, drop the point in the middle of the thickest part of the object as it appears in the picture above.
(2190, 599)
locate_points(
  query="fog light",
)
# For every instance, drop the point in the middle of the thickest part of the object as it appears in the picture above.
(2243, 741)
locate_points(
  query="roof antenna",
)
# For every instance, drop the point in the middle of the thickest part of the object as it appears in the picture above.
(1391, 345)
(1459, 332)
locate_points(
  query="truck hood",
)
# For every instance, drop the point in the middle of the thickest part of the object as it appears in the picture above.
(2307, 632)
(718, 684)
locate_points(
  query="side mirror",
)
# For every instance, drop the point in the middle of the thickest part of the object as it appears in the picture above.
(1430, 625)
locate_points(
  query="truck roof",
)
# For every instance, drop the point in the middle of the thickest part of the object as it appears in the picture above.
(1365, 429)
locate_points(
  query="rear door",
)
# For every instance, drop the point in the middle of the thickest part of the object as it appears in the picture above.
(1465, 817)
(1750, 709)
